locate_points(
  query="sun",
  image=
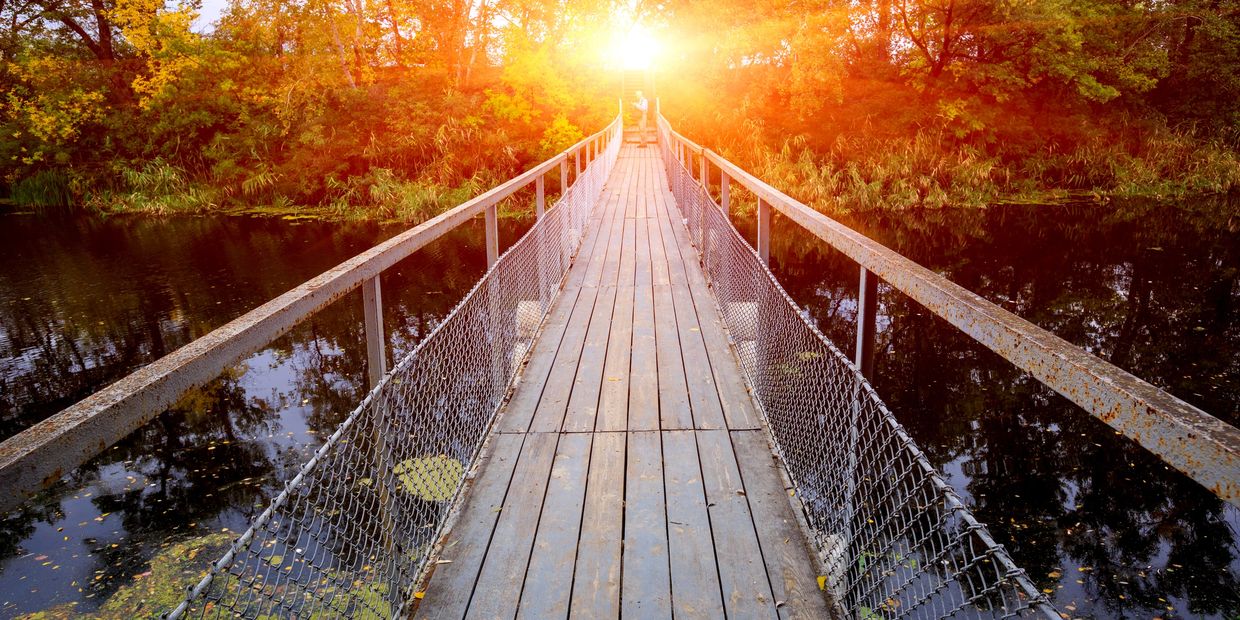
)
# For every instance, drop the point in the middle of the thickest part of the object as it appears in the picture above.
(634, 48)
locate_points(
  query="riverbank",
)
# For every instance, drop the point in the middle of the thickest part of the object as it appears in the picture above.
(852, 174)
(864, 173)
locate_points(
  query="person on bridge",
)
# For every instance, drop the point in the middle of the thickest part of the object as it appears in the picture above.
(642, 105)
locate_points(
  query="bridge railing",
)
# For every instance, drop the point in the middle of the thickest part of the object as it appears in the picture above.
(1196, 443)
(40, 456)
(894, 539)
(351, 534)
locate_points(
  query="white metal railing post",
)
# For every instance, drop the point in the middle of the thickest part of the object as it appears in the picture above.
(492, 226)
(764, 231)
(725, 191)
(376, 349)
(577, 161)
(867, 313)
(540, 196)
(707, 205)
(564, 177)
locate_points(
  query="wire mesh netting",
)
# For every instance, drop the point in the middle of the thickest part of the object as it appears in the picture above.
(894, 539)
(351, 534)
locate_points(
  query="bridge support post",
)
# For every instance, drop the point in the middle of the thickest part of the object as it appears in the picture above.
(702, 171)
(764, 232)
(725, 191)
(577, 161)
(540, 196)
(376, 350)
(492, 226)
(564, 178)
(867, 313)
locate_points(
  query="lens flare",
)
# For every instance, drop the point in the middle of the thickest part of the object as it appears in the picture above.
(634, 48)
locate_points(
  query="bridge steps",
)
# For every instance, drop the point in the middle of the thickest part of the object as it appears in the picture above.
(629, 474)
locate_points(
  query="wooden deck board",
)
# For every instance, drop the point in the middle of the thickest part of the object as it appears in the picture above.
(630, 474)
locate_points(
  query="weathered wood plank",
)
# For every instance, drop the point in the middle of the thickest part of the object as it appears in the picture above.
(519, 412)
(596, 584)
(584, 400)
(613, 224)
(658, 255)
(738, 409)
(503, 571)
(549, 410)
(643, 369)
(785, 551)
(646, 578)
(695, 575)
(549, 581)
(596, 237)
(742, 574)
(674, 411)
(467, 544)
(699, 377)
(613, 402)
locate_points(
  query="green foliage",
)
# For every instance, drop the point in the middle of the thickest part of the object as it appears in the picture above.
(400, 109)
(45, 189)
(558, 136)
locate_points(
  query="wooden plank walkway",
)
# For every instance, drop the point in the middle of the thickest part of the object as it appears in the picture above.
(629, 474)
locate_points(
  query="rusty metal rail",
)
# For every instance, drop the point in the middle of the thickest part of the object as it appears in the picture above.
(1196, 443)
(38, 457)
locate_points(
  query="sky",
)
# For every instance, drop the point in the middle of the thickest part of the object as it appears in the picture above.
(211, 11)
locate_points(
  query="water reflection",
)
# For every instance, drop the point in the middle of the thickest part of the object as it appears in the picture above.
(85, 301)
(1102, 525)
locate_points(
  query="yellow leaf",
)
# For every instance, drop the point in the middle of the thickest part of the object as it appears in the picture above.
(822, 582)
(419, 595)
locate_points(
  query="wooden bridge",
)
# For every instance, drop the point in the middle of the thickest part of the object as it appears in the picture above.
(626, 417)
(629, 474)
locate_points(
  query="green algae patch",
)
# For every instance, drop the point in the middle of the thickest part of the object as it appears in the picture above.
(156, 590)
(432, 478)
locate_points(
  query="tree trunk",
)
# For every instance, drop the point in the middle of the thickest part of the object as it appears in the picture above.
(882, 33)
(344, 63)
(400, 42)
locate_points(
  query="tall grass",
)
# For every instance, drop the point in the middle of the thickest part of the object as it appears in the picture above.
(47, 190)
(381, 194)
(158, 188)
(929, 171)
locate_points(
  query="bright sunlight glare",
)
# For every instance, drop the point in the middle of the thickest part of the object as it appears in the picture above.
(634, 48)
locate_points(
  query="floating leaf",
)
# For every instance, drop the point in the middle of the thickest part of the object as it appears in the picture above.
(822, 582)
(433, 478)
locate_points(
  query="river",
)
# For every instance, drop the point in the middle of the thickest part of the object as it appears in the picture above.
(1104, 527)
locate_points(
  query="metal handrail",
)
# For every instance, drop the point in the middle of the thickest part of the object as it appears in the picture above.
(39, 456)
(1196, 443)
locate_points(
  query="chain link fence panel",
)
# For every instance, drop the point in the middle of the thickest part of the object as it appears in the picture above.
(894, 539)
(352, 532)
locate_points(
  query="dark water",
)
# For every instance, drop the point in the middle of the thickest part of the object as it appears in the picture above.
(85, 301)
(1104, 526)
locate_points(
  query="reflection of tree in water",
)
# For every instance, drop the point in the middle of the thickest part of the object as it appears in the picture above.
(205, 455)
(1153, 289)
